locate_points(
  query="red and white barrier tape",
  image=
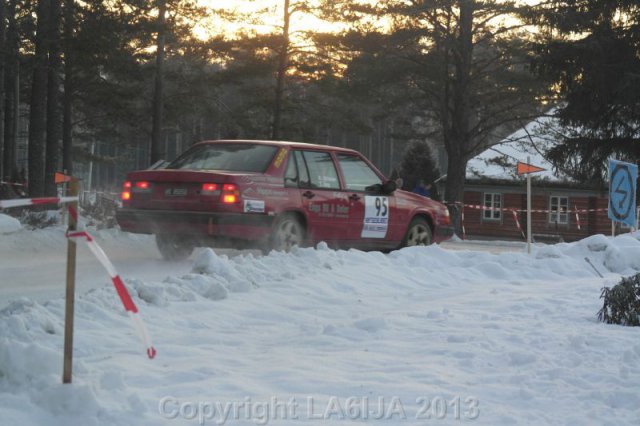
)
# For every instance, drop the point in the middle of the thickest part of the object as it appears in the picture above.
(20, 202)
(481, 207)
(127, 302)
(11, 183)
(578, 219)
(464, 231)
(515, 217)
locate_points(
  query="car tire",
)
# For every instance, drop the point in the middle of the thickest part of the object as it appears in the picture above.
(173, 247)
(287, 232)
(418, 233)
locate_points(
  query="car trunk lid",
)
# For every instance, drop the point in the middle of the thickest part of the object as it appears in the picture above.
(182, 189)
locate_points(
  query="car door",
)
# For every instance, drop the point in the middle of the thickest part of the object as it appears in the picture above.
(372, 215)
(325, 206)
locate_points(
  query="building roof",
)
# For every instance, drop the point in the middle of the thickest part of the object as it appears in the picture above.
(531, 141)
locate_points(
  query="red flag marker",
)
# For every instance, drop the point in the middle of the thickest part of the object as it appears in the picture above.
(62, 178)
(524, 168)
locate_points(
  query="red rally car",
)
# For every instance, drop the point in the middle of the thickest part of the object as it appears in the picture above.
(274, 195)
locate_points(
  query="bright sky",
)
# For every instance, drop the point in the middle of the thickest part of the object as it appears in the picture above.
(266, 14)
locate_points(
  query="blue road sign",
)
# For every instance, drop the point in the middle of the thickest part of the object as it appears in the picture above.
(623, 178)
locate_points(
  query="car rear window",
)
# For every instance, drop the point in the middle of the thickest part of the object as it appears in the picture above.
(231, 157)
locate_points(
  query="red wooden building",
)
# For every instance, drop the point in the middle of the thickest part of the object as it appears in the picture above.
(564, 210)
(561, 211)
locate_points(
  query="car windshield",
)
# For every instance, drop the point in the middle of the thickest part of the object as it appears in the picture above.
(231, 157)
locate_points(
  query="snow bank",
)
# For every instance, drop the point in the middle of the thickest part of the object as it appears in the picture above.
(507, 338)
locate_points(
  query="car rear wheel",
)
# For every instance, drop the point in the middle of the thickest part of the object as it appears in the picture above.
(173, 247)
(287, 233)
(418, 234)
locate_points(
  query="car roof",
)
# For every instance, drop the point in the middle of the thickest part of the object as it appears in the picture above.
(301, 145)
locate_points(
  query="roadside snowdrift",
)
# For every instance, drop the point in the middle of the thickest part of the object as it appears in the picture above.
(515, 333)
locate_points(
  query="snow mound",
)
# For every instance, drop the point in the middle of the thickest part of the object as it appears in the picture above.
(9, 224)
(516, 332)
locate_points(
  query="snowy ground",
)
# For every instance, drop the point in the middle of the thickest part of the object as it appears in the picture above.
(417, 336)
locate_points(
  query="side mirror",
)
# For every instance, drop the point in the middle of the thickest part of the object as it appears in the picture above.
(388, 187)
(399, 182)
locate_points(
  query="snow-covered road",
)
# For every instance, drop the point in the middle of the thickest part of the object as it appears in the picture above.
(33, 263)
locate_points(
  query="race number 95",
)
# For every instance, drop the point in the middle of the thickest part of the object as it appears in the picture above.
(382, 209)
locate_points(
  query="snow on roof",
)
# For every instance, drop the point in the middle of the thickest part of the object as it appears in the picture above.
(531, 141)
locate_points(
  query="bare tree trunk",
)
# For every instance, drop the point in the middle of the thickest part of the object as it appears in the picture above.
(158, 96)
(12, 92)
(53, 99)
(37, 113)
(457, 133)
(67, 127)
(283, 59)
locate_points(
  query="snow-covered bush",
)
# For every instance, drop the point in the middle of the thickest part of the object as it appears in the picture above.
(622, 302)
(39, 219)
(100, 211)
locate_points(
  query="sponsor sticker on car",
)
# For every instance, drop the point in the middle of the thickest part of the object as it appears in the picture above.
(280, 157)
(376, 217)
(254, 206)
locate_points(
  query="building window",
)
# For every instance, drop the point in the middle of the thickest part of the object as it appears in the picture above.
(493, 206)
(559, 207)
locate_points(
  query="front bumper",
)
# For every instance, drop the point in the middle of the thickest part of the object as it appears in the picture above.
(233, 225)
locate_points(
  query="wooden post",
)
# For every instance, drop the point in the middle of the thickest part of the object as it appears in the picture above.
(71, 287)
(528, 209)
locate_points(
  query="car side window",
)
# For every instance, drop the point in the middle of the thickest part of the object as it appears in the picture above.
(322, 170)
(357, 173)
(303, 172)
(291, 174)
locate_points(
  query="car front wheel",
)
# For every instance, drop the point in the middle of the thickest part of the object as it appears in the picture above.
(287, 233)
(173, 247)
(418, 234)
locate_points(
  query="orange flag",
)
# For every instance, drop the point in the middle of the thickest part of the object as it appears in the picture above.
(62, 178)
(524, 168)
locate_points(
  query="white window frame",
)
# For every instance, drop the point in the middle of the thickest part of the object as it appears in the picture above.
(555, 209)
(494, 204)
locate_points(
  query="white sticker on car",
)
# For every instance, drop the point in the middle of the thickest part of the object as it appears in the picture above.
(376, 217)
(254, 206)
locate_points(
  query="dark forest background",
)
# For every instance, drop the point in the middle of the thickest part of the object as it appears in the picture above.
(120, 84)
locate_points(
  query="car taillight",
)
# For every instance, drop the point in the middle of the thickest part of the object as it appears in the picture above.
(142, 186)
(230, 193)
(210, 189)
(126, 191)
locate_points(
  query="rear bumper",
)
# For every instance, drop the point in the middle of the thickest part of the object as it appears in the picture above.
(232, 225)
(443, 233)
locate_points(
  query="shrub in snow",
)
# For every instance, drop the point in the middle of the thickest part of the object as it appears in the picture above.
(100, 211)
(39, 219)
(622, 302)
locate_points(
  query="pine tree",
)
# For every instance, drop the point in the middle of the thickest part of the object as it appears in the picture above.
(418, 165)
(37, 111)
(591, 51)
(12, 91)
(464, 68)
(54, 115)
